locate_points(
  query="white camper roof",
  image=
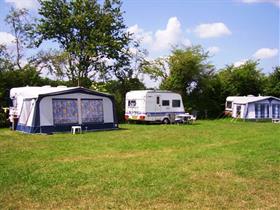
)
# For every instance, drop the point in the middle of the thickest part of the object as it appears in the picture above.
(142, 93)
(248, 99)
(34, 92)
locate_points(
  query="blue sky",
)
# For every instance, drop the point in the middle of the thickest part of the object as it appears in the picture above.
(252, 26)
(232, 30)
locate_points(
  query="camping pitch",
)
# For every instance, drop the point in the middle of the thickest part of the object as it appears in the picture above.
(56, 109)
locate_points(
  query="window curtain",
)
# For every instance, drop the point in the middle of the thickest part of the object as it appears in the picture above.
(65, 111)
(92, 110)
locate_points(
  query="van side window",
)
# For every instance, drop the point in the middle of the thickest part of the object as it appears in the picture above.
(157, 99)
(165, 102)
(131, 103)
(176, 103)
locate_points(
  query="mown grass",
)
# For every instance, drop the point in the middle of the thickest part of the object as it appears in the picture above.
(208, 165)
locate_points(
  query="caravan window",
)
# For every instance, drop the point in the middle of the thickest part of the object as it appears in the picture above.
(131, 103)
(229, 104)
(65, 111)
(157, 99)
(92, 110)
(165, 102)
(176, 103)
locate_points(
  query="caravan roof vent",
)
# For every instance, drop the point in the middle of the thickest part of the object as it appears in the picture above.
(250, 96)
(62, 86)
(46, 86)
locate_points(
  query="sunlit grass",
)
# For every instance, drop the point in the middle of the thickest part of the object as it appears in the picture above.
(211, 164)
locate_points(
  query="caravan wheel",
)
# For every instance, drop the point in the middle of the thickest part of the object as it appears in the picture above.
(166, 121)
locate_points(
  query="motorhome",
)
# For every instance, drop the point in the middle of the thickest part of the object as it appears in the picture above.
(153, 106)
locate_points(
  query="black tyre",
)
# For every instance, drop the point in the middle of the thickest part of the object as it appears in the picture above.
(166, 121)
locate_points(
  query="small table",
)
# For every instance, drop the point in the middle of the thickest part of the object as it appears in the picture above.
(276, 120)
(183, 119)
(76, 128)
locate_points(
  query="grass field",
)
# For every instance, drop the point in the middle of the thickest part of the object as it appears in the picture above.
(208, 165)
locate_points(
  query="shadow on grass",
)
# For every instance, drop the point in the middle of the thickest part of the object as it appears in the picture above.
(83, 132)
(105, 130)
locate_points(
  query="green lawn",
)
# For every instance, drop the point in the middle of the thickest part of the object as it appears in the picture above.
(208, 165)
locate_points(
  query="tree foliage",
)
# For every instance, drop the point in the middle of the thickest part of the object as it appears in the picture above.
(272, 86)
(156, 69)
(190, 74)
(118, 88)
(92, 35)
(187, 70)
(20, 78)
(246, 79)
(6, 63)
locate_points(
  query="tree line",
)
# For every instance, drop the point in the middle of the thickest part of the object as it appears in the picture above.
(93, 48)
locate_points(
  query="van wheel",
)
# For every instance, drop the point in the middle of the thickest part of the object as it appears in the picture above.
(166, 121)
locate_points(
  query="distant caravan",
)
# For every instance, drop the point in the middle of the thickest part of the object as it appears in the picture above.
(253, 107)
(153, 106)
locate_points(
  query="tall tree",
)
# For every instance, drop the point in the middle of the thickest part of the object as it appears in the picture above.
(187, 68)
(188, 72)
(21, 27)
(93, 36)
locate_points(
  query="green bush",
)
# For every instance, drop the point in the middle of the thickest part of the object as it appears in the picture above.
(4, 122)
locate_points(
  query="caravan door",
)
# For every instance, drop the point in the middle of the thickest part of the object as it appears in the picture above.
(158, 107)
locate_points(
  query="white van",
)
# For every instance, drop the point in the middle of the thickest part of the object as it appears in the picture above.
(153, 105)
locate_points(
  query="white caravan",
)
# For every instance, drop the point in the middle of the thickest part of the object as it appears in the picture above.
(153, 106)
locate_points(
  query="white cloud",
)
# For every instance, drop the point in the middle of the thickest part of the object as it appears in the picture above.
(240, 63)
(275, 2)
(213, 50)
(28, 4)
(264, 53)
(6, 38)
(140, 34)
(171, 35)
(161, 39)
(210, 30)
